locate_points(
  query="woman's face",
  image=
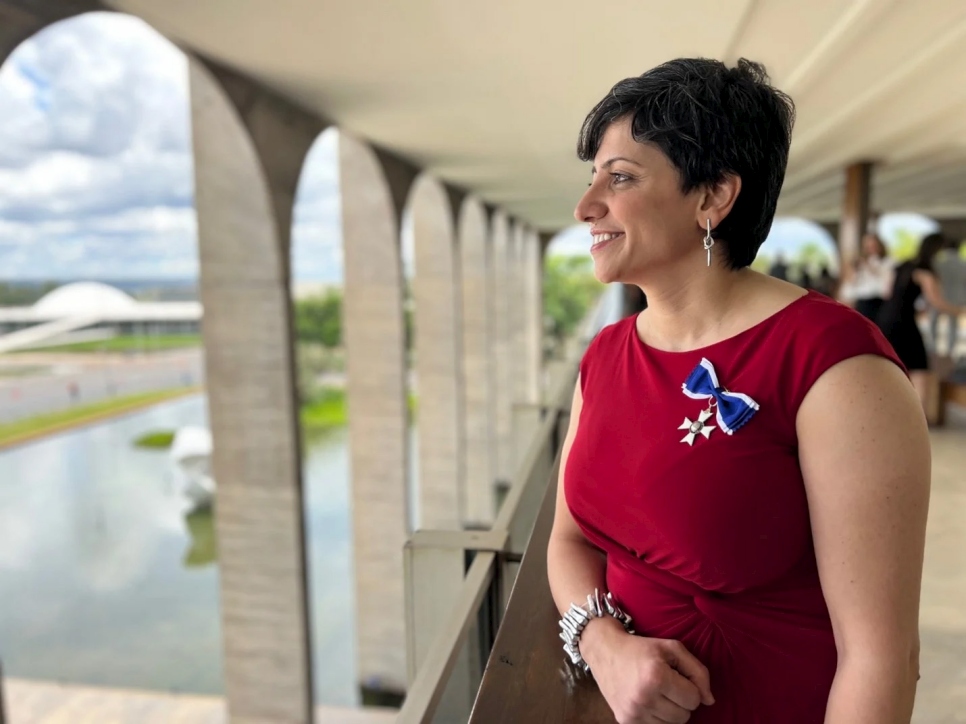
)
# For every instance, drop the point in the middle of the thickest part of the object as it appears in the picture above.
(870, 247)
(640, 220)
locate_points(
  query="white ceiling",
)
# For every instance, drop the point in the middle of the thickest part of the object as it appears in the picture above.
(490, 95)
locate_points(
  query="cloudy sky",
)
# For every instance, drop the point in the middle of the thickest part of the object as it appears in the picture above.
(96, 167)
(95, 161)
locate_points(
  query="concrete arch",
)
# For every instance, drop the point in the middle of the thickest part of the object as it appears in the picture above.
(501, 348)
(902, 231)
(796, 239)
(240, 196)
(18, 25)
(252, 401)
(378, 417)
(477, 305)
(436, 294)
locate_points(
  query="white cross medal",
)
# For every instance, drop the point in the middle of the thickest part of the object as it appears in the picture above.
(731, 409)
(698, 427)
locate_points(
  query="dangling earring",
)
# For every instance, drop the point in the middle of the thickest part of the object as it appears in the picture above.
(708, 242)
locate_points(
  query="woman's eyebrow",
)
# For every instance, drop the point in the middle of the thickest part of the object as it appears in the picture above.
(609, 162)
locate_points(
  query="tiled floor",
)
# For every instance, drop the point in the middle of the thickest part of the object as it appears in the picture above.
(941, 697)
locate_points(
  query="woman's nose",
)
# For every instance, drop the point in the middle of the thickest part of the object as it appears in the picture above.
(589, 208)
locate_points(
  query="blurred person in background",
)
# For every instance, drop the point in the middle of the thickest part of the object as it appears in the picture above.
(897, 317)
(826, 283)
(868, 283)
(951, 270)
(805, 278)
(779, 269)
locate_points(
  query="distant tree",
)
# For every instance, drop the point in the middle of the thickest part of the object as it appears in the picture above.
(811, 257)
(318, 319)
(762, 263)
(906, 245)
(22, 294)
(569, 291)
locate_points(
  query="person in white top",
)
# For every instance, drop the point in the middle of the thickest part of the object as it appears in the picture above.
(869, 282)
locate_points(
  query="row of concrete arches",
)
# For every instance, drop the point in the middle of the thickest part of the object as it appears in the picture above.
(477, 295)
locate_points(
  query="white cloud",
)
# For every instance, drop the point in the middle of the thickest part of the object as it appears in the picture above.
(96, 176)
(317, 221)
(95, 158)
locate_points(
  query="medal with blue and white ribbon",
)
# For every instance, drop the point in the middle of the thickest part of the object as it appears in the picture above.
(730, 409)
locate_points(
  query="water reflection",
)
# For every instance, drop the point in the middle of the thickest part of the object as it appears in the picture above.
(107, 578)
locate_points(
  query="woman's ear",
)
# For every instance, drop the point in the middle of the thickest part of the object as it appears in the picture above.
(717, 200)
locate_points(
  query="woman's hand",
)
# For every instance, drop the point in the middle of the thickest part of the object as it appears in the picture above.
(645, 681)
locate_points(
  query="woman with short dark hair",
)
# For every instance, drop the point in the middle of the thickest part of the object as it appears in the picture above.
(767, 550)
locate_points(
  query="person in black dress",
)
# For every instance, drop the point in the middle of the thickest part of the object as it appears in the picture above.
(897, 318)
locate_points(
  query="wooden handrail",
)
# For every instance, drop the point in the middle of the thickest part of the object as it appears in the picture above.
(526, 678)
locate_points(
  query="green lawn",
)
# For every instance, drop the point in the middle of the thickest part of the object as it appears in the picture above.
(127, 344)
(327, 410)
(161, 439)
(22, 430)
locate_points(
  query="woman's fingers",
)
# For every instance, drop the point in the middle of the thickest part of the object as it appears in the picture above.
(667, 711)
(679, 692)
(684, 662)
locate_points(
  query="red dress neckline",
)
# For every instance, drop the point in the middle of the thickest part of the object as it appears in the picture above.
(770, 319)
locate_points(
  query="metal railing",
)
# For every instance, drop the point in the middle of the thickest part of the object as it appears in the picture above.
(457, 582)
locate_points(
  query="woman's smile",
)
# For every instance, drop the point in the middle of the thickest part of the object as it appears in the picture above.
(602, 239)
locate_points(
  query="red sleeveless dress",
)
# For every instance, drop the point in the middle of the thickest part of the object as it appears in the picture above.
(710, 544)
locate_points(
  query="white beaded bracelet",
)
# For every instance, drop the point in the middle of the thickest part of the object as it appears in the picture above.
(575, 620)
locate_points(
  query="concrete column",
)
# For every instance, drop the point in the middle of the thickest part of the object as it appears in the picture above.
(855, 210)
(518, 313)
(525, 417)
(479, 432)
(501, 348)
(378, 416)
(532, 268)
(438, 347)
(247, 165)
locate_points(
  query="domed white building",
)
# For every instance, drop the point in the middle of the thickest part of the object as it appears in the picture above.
(92, 310)
(83, 298)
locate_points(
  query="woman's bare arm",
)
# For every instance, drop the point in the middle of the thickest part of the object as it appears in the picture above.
(642, 679)
(932, 290)
(574, 566)
(865, 457)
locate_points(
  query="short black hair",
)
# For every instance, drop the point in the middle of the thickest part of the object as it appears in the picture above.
(710, 121)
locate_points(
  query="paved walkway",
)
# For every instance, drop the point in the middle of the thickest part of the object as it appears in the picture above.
(34, 702)
(38, 383)
(941, 697)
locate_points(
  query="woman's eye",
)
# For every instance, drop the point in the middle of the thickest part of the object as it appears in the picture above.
(619, 178)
